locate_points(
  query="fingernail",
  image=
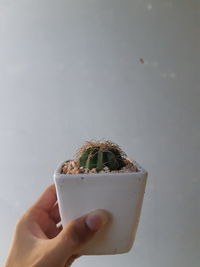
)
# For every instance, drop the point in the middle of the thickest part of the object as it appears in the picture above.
(96, 219)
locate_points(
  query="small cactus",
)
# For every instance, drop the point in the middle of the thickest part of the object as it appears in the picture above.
(101, 154)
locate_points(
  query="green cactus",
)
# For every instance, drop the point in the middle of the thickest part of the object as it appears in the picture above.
(100, 154)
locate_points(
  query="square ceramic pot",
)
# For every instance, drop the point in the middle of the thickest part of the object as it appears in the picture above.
(121, 194)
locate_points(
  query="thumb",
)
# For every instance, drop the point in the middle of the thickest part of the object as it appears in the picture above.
(79, 231)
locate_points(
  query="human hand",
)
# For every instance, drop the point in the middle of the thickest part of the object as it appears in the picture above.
(39, 242)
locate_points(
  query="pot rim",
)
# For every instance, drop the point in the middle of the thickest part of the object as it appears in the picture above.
(57, 173)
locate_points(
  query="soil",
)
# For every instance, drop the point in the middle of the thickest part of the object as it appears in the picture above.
(72, 167)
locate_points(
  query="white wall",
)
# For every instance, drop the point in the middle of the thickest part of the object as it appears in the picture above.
(70, 71)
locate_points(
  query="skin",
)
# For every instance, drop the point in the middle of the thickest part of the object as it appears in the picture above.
(39, 242)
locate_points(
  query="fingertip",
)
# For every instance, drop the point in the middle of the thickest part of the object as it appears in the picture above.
(95, 220)
(48, 199)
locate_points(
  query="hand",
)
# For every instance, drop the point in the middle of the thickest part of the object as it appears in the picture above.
(39, 242)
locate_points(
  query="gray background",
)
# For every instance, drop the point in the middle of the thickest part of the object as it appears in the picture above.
(71, 71)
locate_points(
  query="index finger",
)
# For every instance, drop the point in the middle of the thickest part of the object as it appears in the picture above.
(47, 200)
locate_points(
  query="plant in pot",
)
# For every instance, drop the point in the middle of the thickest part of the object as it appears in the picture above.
(102, 177)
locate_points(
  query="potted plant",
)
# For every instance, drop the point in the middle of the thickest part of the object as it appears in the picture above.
(102, 177)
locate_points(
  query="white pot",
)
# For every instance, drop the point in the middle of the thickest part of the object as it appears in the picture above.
(121, 194)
